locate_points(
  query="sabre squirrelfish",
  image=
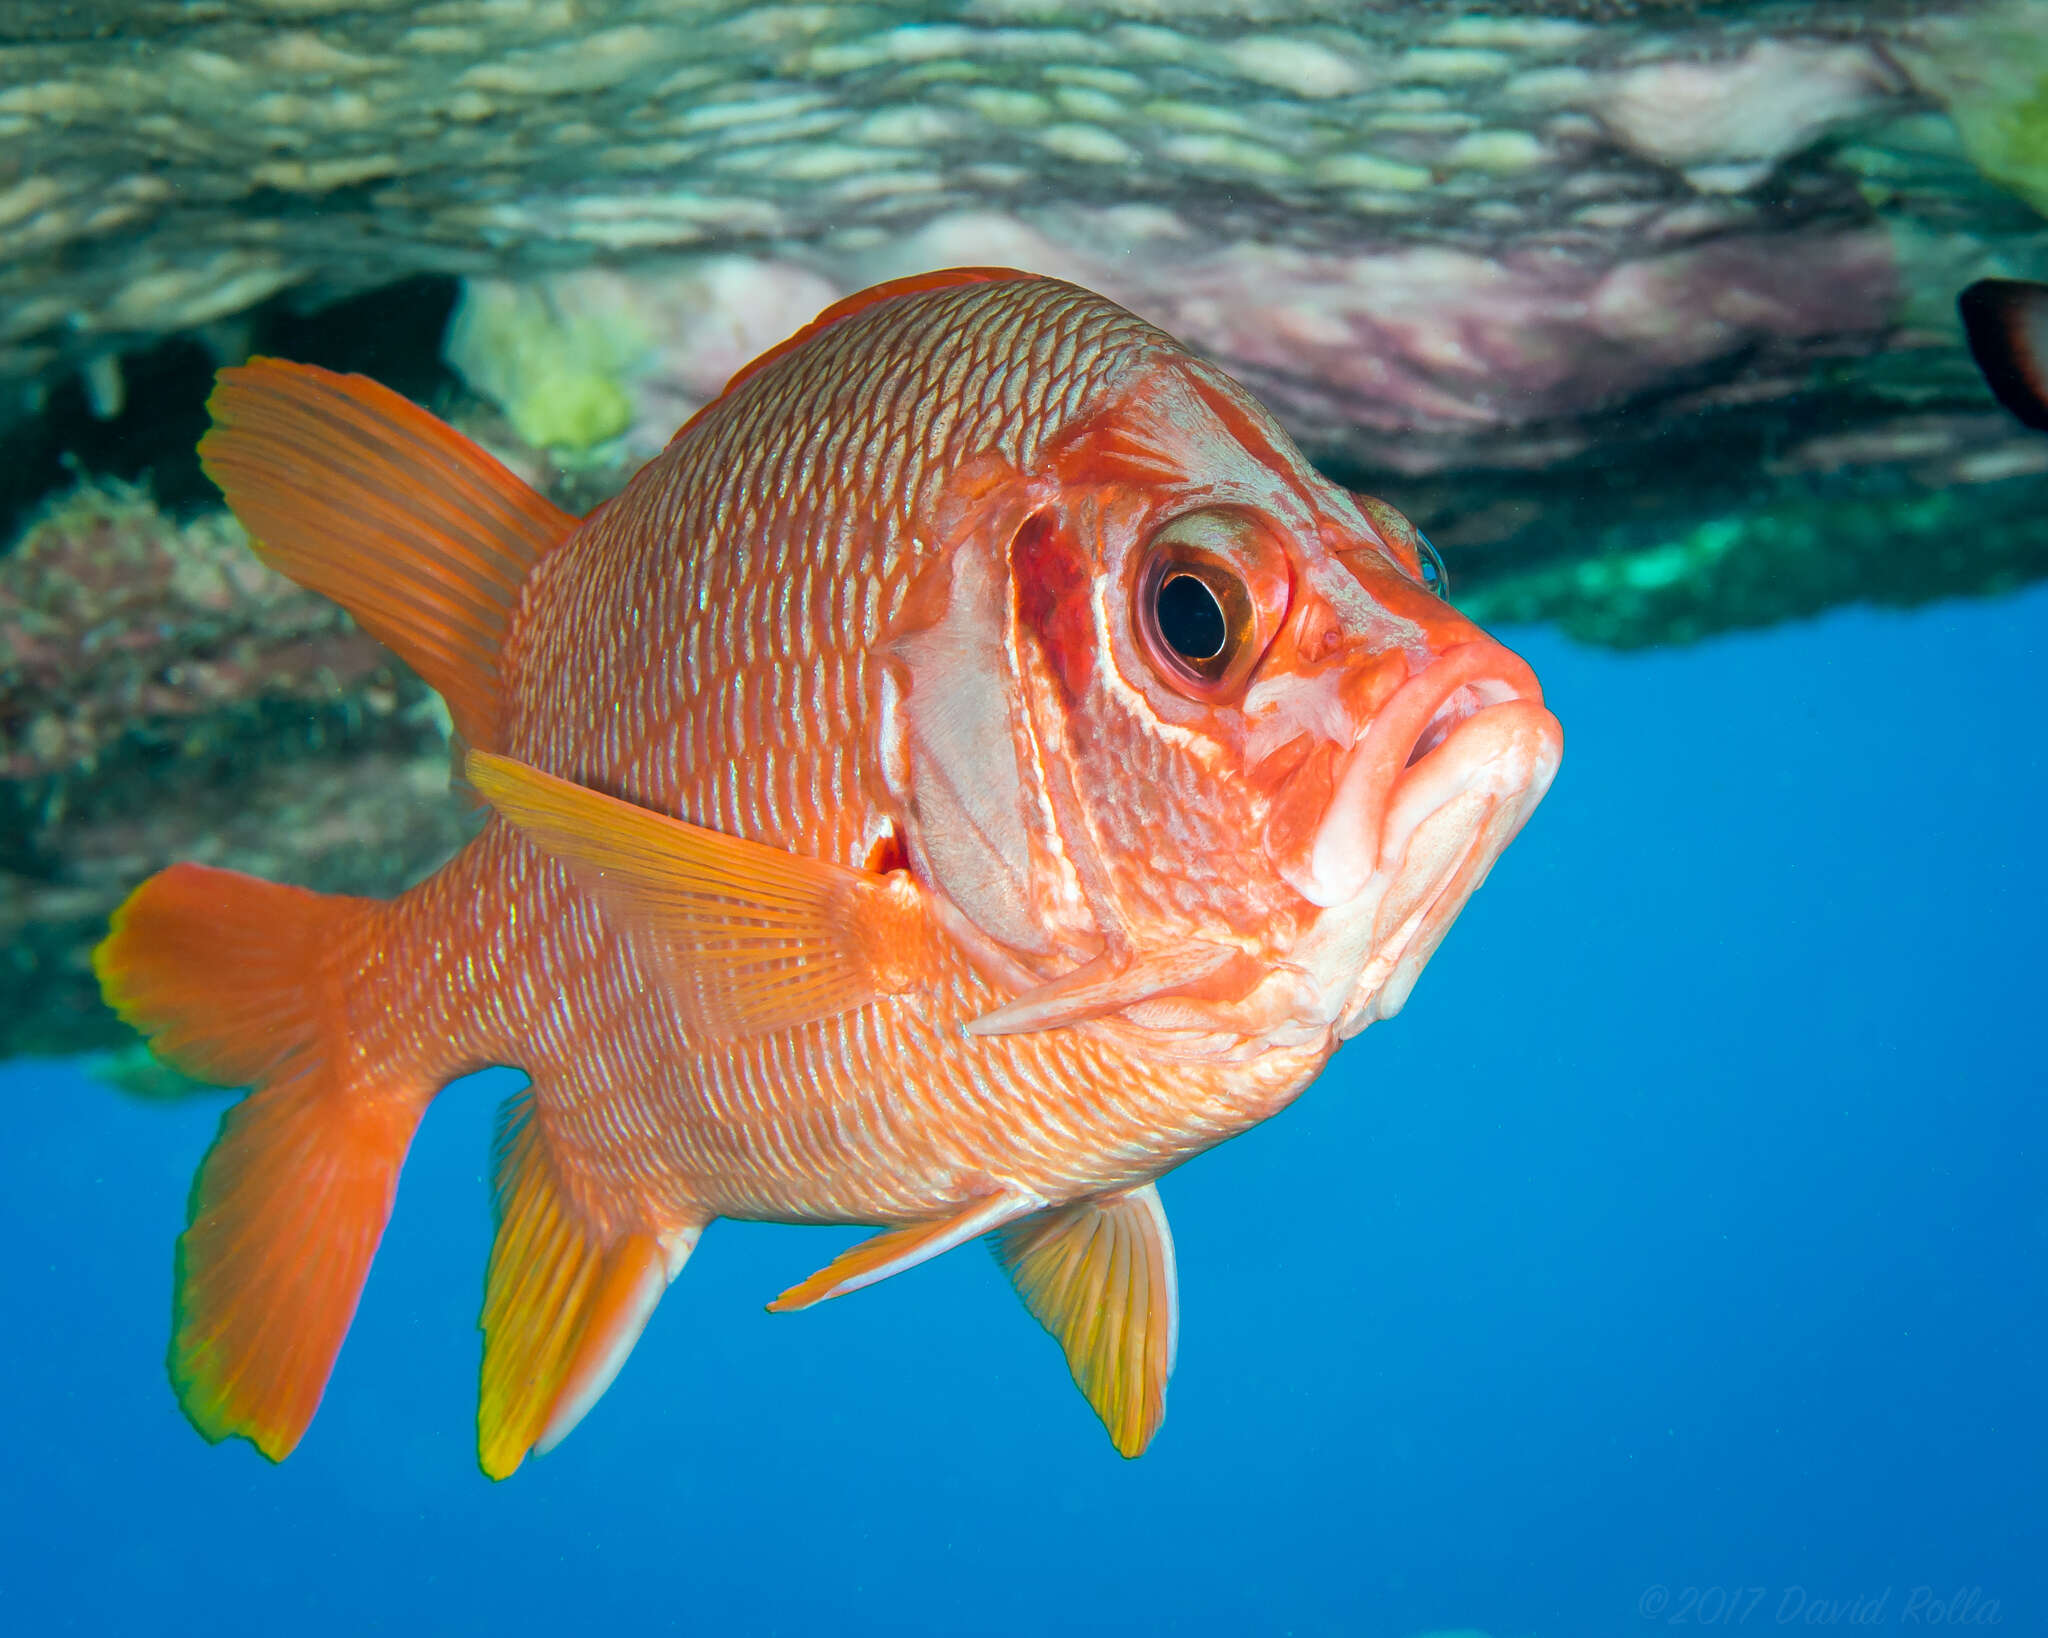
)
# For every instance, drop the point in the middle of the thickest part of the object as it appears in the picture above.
(978, 765)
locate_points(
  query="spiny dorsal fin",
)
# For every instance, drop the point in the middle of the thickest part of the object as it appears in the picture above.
(366, 498)
(861, 300)
(1099, 1275)
(752, 938)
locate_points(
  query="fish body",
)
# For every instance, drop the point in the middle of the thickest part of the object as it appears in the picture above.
(2006, 323)
(977, 766)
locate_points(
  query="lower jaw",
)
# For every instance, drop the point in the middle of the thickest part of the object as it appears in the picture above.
(1386, 935)
(1402, 943)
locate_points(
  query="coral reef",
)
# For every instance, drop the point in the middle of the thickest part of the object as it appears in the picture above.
(1433, 237)
(116, 622)
(163, 695)
(1753, 567)
(1990, 69)
(1439, 240)
(1410, 358)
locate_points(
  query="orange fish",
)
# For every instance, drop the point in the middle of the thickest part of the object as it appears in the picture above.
(978, 765)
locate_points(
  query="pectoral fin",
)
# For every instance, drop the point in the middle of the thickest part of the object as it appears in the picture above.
(752, 937)
(894, 1250)
(1099, 1275)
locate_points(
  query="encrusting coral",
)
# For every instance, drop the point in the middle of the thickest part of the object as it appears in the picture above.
(163, 694)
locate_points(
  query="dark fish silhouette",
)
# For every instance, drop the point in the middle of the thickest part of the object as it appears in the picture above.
(2007, 323)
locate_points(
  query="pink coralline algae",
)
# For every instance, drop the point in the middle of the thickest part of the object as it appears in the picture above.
(120, 623)
(164, 695)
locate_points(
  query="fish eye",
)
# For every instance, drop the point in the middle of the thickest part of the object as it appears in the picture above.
(1407, 542)
(1434, 575)
(1190, 618)
(1197, 619)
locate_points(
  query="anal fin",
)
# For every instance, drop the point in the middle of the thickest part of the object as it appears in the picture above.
(1099, 1275)
(563, 1303)
(894, 1250)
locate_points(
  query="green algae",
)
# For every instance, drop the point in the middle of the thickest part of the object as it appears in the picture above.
(1793, 559)
(1991, 72)
(558, 374)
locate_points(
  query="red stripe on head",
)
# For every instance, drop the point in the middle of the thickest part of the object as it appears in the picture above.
(1055, 581)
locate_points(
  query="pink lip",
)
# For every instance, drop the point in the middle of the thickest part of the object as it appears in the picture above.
(1476, 713)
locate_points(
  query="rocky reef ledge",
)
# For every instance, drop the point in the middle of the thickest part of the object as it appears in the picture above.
(1644, 310)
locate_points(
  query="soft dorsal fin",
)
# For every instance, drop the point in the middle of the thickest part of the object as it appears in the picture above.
(1099, 1275)
(861, 300)
(358, 494)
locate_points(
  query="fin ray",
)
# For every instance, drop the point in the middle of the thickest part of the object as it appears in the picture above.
(241, 982)
(1110, 983)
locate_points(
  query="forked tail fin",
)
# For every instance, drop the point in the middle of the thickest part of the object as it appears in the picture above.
(248, 983)
(427, 540)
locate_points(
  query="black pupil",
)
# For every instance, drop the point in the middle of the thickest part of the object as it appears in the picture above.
(1190, 618)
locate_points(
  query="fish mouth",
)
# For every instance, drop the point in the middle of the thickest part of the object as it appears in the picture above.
(1471, 722)
(1424, 802)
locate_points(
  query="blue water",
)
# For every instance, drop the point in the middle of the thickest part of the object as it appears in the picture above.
(1675, 1260)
